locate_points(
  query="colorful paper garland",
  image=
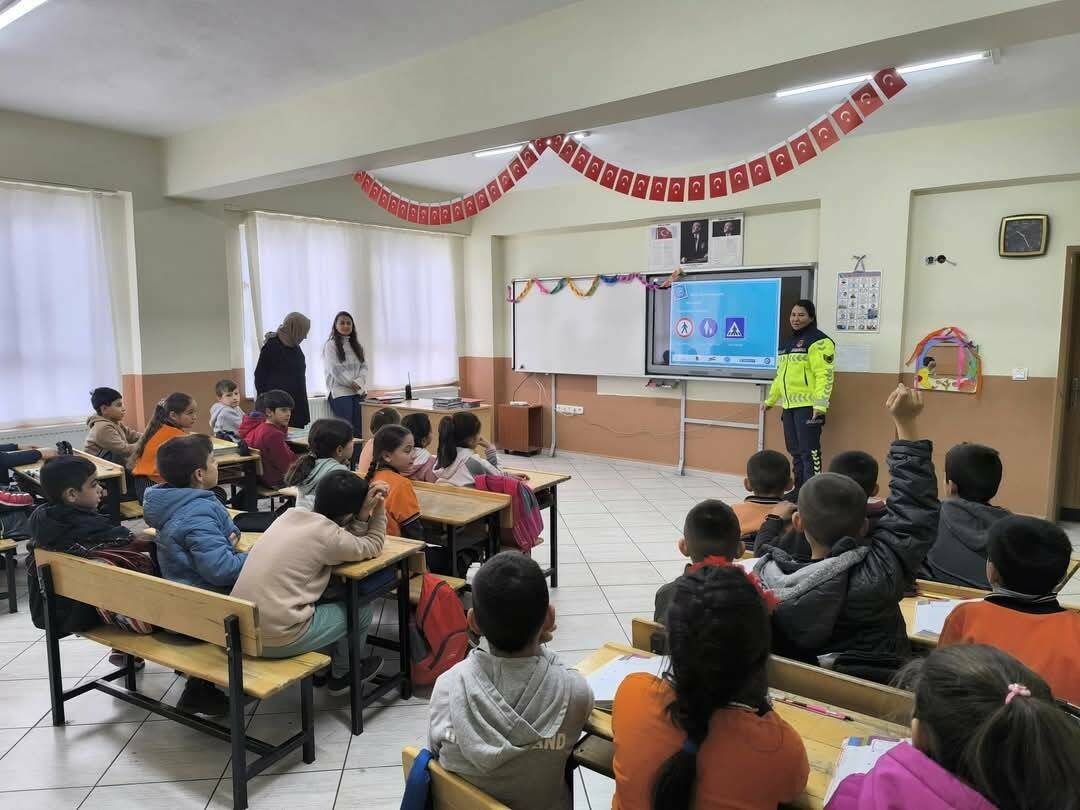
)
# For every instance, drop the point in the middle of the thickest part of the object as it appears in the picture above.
(594, 284)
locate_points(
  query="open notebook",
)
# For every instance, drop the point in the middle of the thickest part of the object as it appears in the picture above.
(605, 681)
(859, 755)
(930, 615)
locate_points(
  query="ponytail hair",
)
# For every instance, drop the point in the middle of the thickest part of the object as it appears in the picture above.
(993, 723)
(324, 438)
(388, 439)
(454, 431)
(719, 637)
(176, 402)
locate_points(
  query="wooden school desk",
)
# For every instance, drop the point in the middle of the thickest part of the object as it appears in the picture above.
(436, 415)
(456, 507)
(111, 476)
(823, 736)
(545, 486)
(250, 467)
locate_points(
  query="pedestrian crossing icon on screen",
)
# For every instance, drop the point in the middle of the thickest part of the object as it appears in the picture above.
(734, 328)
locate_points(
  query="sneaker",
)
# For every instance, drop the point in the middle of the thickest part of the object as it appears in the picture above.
(202, 697)
(320, 678)
(368, 670)
(117, 659)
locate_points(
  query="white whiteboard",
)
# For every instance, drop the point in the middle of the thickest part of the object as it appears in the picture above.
(565, 334)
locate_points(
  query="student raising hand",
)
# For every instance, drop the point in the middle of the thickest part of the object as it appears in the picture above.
(905, 404)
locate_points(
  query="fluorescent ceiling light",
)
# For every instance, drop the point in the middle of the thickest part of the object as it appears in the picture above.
(18, 9)
(514, 147)
(916, 68)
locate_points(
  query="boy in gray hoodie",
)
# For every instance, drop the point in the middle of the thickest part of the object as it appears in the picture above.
(506, 720)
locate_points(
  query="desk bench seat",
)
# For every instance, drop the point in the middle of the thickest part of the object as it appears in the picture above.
(131, 510)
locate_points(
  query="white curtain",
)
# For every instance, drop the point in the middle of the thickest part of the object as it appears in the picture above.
(58, 251)
(398, 285)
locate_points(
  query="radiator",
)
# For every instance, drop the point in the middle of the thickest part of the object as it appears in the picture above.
(319, 407)
(46, 435)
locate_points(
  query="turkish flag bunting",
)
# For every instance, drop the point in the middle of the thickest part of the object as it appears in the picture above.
(780, 160)
(506, 182)
(718, 184)
(641, 186)
(366, 181)
(457, 210)
(738, 178)
(556, 142)
(395, 201)
(592, 171)
(567, 150)
(470, 206)
(695, 187)
(676, 191)
(482, 200)
(445, 217)
(607, 177)
(625, 181)
(517, 168)
(581, 159)
(889, 81)
(414, 212)
(376, 191)
(824, 134)
(846, 117)
(528, 156)
(540, 144)
(658, 188)
(358, 178)
(866, 99)
(384, 198)
(422, 215)
(493, 190)
(802, 147)
(759, 170)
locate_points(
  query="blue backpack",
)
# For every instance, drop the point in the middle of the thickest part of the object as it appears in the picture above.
(418, 784)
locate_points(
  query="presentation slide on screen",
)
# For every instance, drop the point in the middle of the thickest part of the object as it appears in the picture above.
(725, 323)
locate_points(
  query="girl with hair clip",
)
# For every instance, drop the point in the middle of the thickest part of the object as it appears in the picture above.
(330, 447)
(391, 458)
(456, 461)
(705, 736)
(173, 416)
(986, 733)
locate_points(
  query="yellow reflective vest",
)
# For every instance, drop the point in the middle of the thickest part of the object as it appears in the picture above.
(804, 372)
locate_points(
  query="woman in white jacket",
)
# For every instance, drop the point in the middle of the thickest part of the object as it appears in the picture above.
(346, 371)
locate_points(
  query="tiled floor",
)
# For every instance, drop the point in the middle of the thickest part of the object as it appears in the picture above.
(618, 527)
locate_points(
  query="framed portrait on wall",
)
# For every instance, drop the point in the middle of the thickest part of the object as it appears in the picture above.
(1023, 235)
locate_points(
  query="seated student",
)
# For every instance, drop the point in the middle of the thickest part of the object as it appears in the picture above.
(768, 477)
(841, 609)
(423, 463)
(173, 417)
(109, 437)
(288, 571)
(195, 539)
(330, 448)
(266, 429)
(986, 734)
(860, 467)
(711, 529)
(457, 462)
(16, 455)
(380, 419)
(392, 450)
(972, 478)
(1028, 558)
(506, 718)
(225, 414)
(705, 735)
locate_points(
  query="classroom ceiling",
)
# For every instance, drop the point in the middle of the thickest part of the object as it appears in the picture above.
(1026, 78)
(159, 67)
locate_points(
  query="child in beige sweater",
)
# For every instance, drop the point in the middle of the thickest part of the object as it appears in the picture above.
(288, 570)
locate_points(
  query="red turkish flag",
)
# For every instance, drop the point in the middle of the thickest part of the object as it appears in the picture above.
(493, 190)
(384, 198)
(738, 178)
(581, 159)
(506, 182)
(824, 134)
(846, 117)
(358, 177)
(641, 186)
(376, 191)
(658, 188)
(414, 212)
(540, 144)
(422, 215)
(718, 184)
(482, 200)
(457, 210)
(625, 181)
(395, 201)
(759, 170)
(567, 150)
(695, 187)
(889, 81)
(676, 191)
(528, 156)
(592, 171)
(780, 160)
(445, 215)
(802, 147)
(556, 142)
(517, 168)
(366, 181)
(607, 177)
(470, 206)
(866, 99)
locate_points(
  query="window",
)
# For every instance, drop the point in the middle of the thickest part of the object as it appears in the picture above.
(398, 285)
(59, 250)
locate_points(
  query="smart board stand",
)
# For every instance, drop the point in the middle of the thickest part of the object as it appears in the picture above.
(684, 420)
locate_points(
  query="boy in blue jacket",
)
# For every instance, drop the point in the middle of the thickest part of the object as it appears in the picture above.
(195, 539)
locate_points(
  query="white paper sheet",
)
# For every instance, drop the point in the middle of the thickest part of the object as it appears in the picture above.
(852, 358)
(858, 759)
(605, 681)
(930, 615)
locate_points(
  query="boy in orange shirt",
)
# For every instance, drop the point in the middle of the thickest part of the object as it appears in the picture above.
(1028, 558)
(768, 477)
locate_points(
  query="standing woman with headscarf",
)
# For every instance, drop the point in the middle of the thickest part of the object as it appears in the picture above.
(346, 371)
(282, 365)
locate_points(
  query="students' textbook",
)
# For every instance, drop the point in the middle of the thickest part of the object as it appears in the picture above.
(605, 681)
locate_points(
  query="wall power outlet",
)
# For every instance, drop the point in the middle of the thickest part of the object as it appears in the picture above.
(570, 410)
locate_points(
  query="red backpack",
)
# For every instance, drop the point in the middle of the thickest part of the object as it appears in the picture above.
(441, 637)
